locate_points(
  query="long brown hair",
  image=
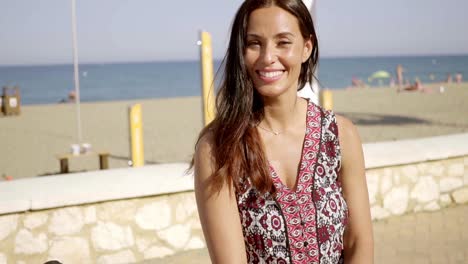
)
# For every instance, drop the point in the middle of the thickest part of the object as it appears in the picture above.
(236, 144)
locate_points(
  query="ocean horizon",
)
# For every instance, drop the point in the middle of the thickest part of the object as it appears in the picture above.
(112, 81)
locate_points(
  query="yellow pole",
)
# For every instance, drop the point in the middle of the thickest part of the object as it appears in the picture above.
(206, 59)
(326, 99)
(136, 135)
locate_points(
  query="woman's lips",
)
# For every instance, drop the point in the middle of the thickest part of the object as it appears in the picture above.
(270, 76)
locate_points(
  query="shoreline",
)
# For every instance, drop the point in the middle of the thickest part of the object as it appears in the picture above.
(31, 140)
(431, 85)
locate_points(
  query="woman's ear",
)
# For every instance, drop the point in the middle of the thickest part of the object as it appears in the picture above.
(308, 45)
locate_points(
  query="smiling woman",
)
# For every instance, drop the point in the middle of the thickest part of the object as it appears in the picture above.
(275, 51)
(277, 178)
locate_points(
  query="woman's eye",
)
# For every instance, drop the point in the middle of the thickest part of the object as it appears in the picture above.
(253, 43)
(284, 43)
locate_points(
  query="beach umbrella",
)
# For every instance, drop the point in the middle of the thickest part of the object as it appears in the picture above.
(380, 75)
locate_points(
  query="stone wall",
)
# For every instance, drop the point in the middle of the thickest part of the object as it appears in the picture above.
(427, 186)
(124, 231)
(135, 229)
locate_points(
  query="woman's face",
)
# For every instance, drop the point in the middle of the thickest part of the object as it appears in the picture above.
(275, 50)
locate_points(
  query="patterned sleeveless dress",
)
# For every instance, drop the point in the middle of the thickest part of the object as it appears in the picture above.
(304, 225)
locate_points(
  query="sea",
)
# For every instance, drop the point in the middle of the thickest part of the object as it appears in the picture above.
(50, 84)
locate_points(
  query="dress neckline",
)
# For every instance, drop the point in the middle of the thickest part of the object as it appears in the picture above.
(275, 175)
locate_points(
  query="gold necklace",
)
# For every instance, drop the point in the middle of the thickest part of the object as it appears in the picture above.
(276, 133)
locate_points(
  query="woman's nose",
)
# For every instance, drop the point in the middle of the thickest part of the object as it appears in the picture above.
(268, 55)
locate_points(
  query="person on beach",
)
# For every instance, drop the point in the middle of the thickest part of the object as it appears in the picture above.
(277, 178)
(458, 78)
(449, 78)
(357, 83)
(418, 87)
(70, 99)
(399, 75)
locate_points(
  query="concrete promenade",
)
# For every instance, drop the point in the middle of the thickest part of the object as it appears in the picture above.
(427, 237)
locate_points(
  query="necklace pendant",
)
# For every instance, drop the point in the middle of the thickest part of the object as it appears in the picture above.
(276, 133)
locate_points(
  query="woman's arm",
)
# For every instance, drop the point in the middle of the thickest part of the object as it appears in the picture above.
(358, 238)
(218, 211)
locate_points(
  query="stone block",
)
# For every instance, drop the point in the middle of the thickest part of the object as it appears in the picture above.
(186, 207)
(194, 222)
(387, 172)
(34, 220)
(397, 178)
(66, 221)
(373, 187)
(422, 168)
(456, 169)
(70, 250)
(409, 171)
(396, 201)
(110, 236)
(177, 236)
(117, 211)
(426, 190)
(142, 243)
(386, 184)
(90, 215)
(432, 206)
(449, 184)
(27, 243)
(157, 252)
(378, 213)
(195, 242)
(436, 169)
(460, 196)
(418, 208)
(121, 257)
(445, 200)
(8, 224)
(154, 216)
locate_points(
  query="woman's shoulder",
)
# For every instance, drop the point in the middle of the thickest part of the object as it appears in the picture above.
(344, 124)
(204, 146)
(347, 131)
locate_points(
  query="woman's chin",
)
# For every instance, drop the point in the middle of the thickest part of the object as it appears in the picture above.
(271, 90)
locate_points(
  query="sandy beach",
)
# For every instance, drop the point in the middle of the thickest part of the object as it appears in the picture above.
(30, 142)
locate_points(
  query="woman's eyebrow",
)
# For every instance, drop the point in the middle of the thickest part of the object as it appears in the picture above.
(279, 35)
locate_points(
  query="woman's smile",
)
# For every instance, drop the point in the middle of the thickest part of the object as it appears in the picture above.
(269, 76)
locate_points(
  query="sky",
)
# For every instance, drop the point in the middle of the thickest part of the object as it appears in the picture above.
(39, 32)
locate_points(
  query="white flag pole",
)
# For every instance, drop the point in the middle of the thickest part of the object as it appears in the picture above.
(308, 91)
(76, 73)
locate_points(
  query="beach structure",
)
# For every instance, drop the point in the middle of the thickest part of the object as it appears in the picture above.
(139, 214)
(10, 101)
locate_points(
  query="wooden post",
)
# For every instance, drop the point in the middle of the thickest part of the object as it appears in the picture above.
(64, 165)
(326, 99)
(206, 58)
(136, 135)
(103, 161)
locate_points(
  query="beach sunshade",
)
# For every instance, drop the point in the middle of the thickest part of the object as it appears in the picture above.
(380, 75)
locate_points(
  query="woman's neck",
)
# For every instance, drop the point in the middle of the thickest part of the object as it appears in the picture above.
(281, 114)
